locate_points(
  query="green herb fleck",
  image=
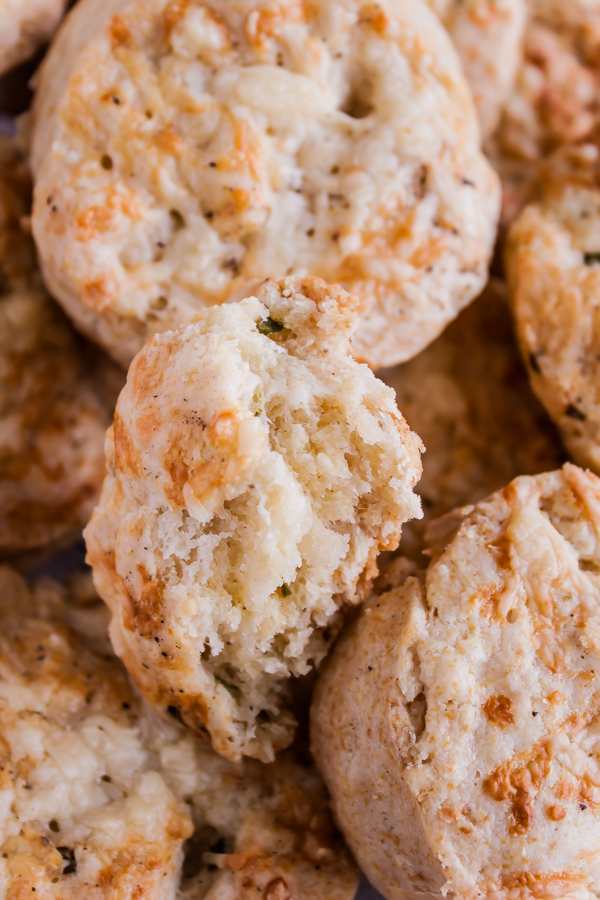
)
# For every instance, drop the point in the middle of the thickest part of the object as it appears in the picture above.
(269, 326)
(229, 687)
(285, 590)
(591, 259)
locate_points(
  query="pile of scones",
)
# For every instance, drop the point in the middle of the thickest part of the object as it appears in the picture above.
(300, 330)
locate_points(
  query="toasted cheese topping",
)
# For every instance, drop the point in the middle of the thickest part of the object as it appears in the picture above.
(458, 721)
(102, 799)
(184, 150)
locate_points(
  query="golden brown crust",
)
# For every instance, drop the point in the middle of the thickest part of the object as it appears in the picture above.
(103, 800)
(456, 722)
(198, 185)
(68, 826)
(554, 280)
(56, 393)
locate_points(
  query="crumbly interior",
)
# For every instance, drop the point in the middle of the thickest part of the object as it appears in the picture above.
(257, 472)
(182, 151)
(481, 682)
(102, 799)
(553, 264)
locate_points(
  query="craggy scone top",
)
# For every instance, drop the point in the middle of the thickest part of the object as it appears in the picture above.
(101, 799)
(255, 472)
(457, 722)
(182, 150)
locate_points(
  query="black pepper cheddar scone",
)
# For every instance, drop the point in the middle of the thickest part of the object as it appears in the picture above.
(554, 101)
(184, 150)
(103, 800)
(553, 267)
(255, 472)
(457, 722)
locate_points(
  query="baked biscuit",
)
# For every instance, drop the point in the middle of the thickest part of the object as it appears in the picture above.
(26, 25)
(554, 103)
(488, 36)
(184, 150)
(467, 397)
(86, 808)
(267, 829)
(99, 795)
(55, 401)
(553, 265)
(255, 473)
(73, 602)
(457, 722)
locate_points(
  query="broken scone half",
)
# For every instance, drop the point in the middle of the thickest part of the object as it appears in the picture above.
(255, 472)
(457, 722)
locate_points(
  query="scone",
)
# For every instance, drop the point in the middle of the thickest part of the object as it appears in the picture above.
(73, 602)
(87, 811)
(184, 151)
(102, 799)
(553, 266)
(457, 723)
(26, 25)
(255, 471)
(467, 397)
(488, 36)
(262, 832)
(55, 399)
(554, 103)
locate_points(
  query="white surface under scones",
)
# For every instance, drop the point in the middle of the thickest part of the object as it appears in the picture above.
(255, 472)
(24, 26)
(184, 150)
(98, 794)
(457, 722)
(553, 266)
(55, 400)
